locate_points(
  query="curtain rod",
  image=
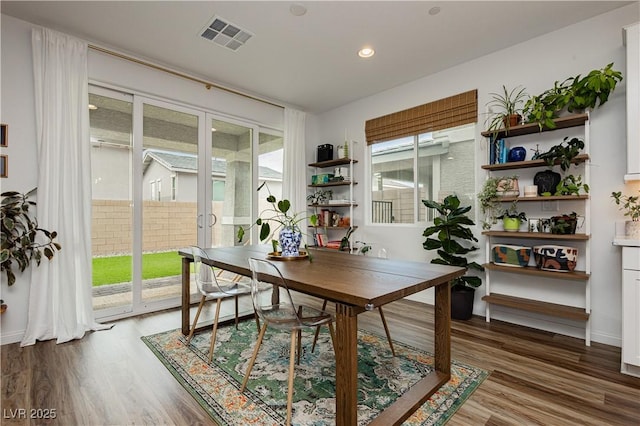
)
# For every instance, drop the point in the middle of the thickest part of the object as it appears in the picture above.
(208, 85)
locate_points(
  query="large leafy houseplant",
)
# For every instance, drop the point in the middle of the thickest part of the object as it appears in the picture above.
(279, 215)
(573, 94)
(20, 235)
(451, 228)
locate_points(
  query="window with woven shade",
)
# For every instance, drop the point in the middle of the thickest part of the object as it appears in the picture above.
(424, 152)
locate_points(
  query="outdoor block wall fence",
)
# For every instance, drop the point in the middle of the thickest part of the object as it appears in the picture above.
(166, 226)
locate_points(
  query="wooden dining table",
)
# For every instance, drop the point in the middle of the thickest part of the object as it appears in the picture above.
(355, 284)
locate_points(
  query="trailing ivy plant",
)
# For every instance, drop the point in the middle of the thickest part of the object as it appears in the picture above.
(20, 231)
(451, 228)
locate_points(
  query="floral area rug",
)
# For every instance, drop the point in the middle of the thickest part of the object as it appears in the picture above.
(381, 377)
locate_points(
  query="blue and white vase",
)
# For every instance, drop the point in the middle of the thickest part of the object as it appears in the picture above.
(289, 240)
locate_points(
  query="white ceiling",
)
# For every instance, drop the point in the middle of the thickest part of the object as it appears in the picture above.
(309, 61)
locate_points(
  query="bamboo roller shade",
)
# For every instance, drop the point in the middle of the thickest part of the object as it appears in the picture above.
(437, 115)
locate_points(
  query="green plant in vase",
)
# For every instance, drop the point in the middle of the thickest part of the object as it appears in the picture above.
(489, 197)
(512, 218)
(286, 222)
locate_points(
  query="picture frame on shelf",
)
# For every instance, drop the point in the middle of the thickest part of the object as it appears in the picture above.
(4, 166)
(534, 225)
(4, 136)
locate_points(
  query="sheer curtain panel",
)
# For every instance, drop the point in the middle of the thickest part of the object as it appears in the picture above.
(295, 172)
(60, 292)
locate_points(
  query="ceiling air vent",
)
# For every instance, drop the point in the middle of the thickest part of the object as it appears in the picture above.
(226, 34)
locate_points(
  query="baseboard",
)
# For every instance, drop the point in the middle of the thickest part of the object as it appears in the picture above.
(14, 337)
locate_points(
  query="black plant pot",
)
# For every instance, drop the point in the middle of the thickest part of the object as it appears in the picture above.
(547, 181)
(462, 302)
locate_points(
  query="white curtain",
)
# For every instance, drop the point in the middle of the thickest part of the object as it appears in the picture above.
(295, 170)
(60, 293)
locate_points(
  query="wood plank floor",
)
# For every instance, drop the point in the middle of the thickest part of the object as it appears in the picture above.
(111, 378)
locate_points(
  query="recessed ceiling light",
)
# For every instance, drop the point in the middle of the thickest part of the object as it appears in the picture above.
(366, 52)
(297, 9)
(434, 10)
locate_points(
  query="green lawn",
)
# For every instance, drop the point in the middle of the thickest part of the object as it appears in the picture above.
(117, 269)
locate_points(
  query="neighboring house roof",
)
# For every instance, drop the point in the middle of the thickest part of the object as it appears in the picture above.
(188, 163)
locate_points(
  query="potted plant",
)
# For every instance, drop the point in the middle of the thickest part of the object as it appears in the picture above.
(593, 89)
(321, 196)
(573, 94)
(509, 104)
(452, 229)
(22, 239)
(564, 223)
(630, 205)
(494, 188)
(563, 153)
(571, 185)
(512, 218)
(279, 214)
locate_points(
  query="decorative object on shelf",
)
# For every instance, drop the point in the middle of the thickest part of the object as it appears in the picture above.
(493, 188)
(534, 225)
(566, 223)
(508, 104)
(555, 258)
(508, 187)
(451, 228)
(510, 255)
(325, 153)
(286, 222)
(20, 232)
(3, 306)
(512, 218)
(363, 248)
(563, 153)
(517, 153)
(531, 191)
(278, 255)
(547, 181)
(320, 196)
(321, 179)
(571, 185)
(545, 226)
(573, 94)
(630, 205)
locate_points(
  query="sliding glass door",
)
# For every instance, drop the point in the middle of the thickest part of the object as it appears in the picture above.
(166, 177)
(169, 186)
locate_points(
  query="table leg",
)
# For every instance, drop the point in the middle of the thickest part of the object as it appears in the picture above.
(442, 337)
(346, 365)
(186, 290)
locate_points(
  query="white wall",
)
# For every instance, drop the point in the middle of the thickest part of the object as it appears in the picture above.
(536, 64)
(17, 110)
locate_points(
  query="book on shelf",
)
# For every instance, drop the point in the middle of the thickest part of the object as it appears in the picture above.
(334, 244)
